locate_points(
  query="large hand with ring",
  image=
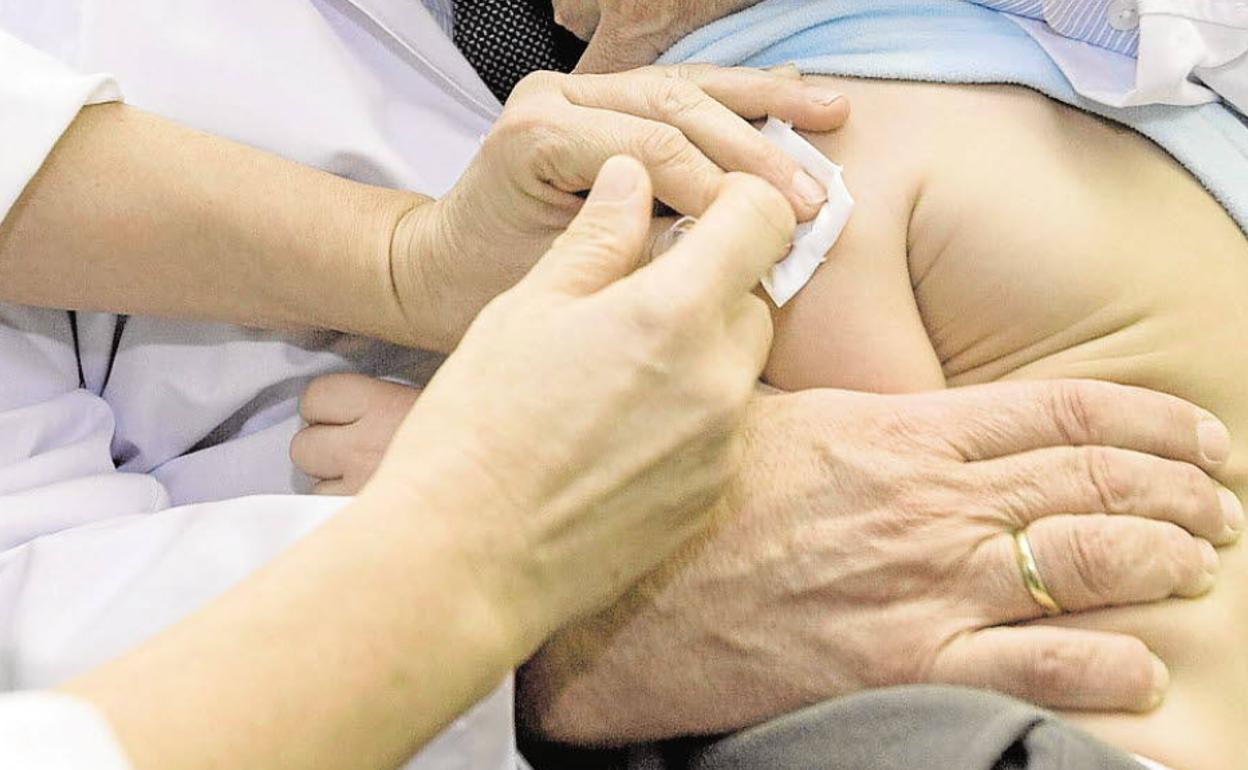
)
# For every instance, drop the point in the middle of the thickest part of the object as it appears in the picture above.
(687, 125)
(879, 540)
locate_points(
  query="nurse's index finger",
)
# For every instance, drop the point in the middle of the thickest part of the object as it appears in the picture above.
(745, 231)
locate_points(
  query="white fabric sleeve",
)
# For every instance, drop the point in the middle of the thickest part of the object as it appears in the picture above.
(39, 98)
(51, 731)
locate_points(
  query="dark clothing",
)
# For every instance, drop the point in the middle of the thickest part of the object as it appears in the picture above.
(505, 40)
(902, 728)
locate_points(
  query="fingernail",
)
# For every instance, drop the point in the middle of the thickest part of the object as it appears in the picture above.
(1232, 512)
(1161, 682)
(825, 97)
(617, 181)
(1214, 440)
(808, 189)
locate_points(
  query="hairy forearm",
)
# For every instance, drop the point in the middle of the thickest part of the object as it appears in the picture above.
(352, 650)
(135, 214)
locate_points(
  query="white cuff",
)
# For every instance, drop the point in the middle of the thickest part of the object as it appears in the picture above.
(39, 98)
(51, 731)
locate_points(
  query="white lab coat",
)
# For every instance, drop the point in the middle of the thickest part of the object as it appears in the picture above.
(110, 522)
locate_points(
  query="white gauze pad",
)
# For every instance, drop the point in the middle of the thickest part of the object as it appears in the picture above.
(814, 239)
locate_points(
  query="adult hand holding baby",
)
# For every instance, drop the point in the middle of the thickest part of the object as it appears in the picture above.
(868, 543)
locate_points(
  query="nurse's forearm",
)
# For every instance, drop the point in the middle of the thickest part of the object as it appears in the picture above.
(135, 214)
(351, 650)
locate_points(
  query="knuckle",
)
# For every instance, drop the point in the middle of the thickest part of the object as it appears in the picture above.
(690, 71)
(540, 80)
(517, 122)
(1074, 411)
(1179, 551)
(1092, 558)
(675, 99)
(544, 146)
(1109, 478)
(1195, 487)
(665, 145)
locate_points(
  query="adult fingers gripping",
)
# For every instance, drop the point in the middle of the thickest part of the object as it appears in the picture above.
(1007, 418)
(1057, 667)
(744, 232)
(568, 156)
(607, 239)
(719, 134)
(1097, 479)
(1090, 562)
(755, 94)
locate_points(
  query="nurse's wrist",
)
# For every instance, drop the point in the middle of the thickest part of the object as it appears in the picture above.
(365, 231)
(420, 244)
(420, 518)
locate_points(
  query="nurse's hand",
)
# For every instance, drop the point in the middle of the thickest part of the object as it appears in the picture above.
(571, 443)
(688, 125)
(592, 414)
(624, 34)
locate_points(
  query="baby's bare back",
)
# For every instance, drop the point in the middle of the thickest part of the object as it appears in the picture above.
(1002, 236)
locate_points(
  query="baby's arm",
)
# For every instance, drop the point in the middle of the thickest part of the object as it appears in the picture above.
(351, 419)
(856, 324)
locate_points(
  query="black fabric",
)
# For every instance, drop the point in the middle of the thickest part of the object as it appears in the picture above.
(505, 40)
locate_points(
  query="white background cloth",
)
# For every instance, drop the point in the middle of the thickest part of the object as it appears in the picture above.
(95, 561)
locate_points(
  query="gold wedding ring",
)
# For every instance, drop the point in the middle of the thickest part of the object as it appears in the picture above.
(1031, 575)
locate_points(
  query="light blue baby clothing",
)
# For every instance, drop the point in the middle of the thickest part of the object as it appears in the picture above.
(959, 42)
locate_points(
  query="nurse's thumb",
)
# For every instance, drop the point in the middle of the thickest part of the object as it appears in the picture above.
(608, 238)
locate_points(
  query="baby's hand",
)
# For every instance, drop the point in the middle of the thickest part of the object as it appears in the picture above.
(351, 419)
